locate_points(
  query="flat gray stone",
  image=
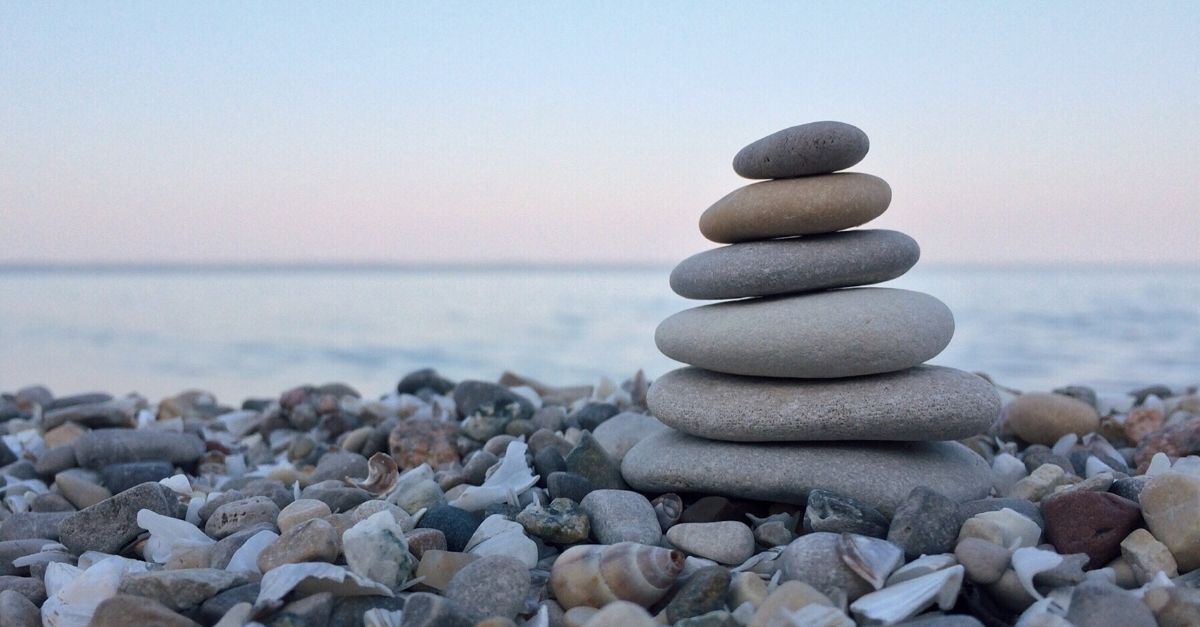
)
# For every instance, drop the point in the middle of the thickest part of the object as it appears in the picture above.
(111, 524)
(842, 333)
(799, 264)
(922, 403)
(878, 474)
(804, 150)
(103, 447)
(789, 207)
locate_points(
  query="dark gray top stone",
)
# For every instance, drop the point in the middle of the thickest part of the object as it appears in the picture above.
(102, 447)
(813, 148)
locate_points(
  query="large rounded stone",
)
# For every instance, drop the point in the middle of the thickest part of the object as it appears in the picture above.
(807, 149)
(816, 559)
(1043, 418)
(922, 403)
(803, 206)
(104, 447)
(1171, 505)
(801, 264)
(842, 333)
(878, 474)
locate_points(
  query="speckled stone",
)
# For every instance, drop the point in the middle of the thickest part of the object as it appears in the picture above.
(804, 150)
(801, 206)
(922, 403)
(841, 333)
(111, 524)
(495, 585)
(789, 266)
(878, 474)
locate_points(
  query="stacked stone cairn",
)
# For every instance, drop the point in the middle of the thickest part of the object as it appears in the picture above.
(803, 379)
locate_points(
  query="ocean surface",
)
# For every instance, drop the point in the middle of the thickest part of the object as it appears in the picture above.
(242, 333)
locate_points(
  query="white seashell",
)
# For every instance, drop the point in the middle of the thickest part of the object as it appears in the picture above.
(811, 615)
(499, 536)
(1016, 529)
(246, 557)
(382, 473)
(379, 617)
(871, 558)
(1044, 613)
(145, 419)
(73, 594)
(744, 613)
(512, 477)
(1095, 467)
(178, 484)
(1189, 465)
(1159, 464)
(906, 599)
(169, 534)
(763, 562)
(91, 558)
(1028, 562)
(922, 566)
(1006, 471)
(313, 577)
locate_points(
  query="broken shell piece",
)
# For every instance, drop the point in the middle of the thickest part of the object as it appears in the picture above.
(499, 536)
(813, 615)
(382, 473)
(168, 535)
(512, 477)
(1159, 464)
(922, 566)
(871, 558)
(906, 599)
(1063, 445)
(1005, 527)
(1028, 562)
(311, 578)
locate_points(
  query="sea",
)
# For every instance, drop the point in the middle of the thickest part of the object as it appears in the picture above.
(242, 332)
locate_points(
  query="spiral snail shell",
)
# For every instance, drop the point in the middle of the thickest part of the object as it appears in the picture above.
(595, 574)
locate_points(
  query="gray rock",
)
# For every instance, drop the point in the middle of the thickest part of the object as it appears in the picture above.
(926, 523)
(816, 560)
(121, 477)
(338, 465)
(495, 585)
(547, 461)
(841, 333)
(481, 397)
(180, 589)
(29, 587)
(804, 150)
(313, 540)
(621, 516)
(78, 399)
(223, 550)
(1099, 604)
(56, 460)
(789, 266)
(1129, 487)
(28, 525)
(941, 620)
(103, 447)
(834, 513)
(803, 206)
(568, 485)
(18, 611)
(111, 524)
(425, 609)
(592, 415)
(118, 412)
(241, 514)
(618, 434)
(426, 380)
(348, 611)
(339, 498)
(725, 542)
(589, 460)
(51, 502)
(215, 607)
(14, 549)
(124, 610)
(702, 593)
(921, 404)
(878, 474)
(477, 466)
(456, 524)
(561, 522)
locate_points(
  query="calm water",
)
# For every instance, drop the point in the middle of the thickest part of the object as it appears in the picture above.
(247, 333)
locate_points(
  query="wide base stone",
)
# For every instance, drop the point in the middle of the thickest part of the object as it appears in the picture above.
(880, 474)
(918, 404)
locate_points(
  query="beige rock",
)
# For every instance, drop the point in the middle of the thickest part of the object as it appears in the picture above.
(1043, 418)
(1009, 592)
(1123, 573)
(1040, 483)
(125, 610)
(746, 587)
(437, 568)
(725, 542)
(311, 541)
(299, 511)
(1175, 606)
(1147, 556)
(791, 596)
(579, 616)
(1171, 506)
(800, 206)
(63, 434)
(621, 614)
(81, 487)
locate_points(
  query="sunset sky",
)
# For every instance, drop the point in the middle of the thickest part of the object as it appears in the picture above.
(584, 132)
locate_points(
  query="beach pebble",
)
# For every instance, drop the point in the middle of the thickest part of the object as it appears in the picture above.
(375, 548)
(561, 522)
(840, 333)
(438, 567)
(621, 432)
(1099, 604)
(18, 611)
(621, 516)
(773, 533)
(124, 610)
(311, 541)
(81, 487)
(455, 524)
(921, 403)
(621, 614)
(483, 398)
(241, 514)
(800, 206)
(816, 559)
(28, 525)
(28, 587)
(1043, 418)
(589, 460)
(804, 150)
(725, 542)
(1176, 440)
(495, 585)
(15, 549)
(120, 477)
(423, 609)
(788, 597)
(878, 474)
(1004, 527)
(181, 589)
(1093, 523)
(1147, 557)
(220, 554)
(425, 381)
(1171, 506)
(1023, 507)
(702, 593)
(422, 441)
(591, 415)
(1040, 483)
(299, 511)
(985, 562)
(925, 523)
(111, 524)
(339, 465)
(422, 540)
(102, 447)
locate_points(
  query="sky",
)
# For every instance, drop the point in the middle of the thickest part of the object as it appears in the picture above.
(584, 132)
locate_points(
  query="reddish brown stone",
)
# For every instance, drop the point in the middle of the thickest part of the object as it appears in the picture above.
(421, 540)
(1142, 422)
(1090, 522)
(416, 442)
(1178, 440)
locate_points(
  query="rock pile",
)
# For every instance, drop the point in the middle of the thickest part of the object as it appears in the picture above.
(807, 380)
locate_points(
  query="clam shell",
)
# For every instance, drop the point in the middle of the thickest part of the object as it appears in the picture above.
(382, 473)
(511, 478)
(906, 599)
(871, 558)
(594, 575)
(1027, 562)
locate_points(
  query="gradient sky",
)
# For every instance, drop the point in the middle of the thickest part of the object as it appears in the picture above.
(584, 132)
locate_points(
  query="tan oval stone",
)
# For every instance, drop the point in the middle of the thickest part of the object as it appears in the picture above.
(800, 206)
(1171, 506)
(1043, 418)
